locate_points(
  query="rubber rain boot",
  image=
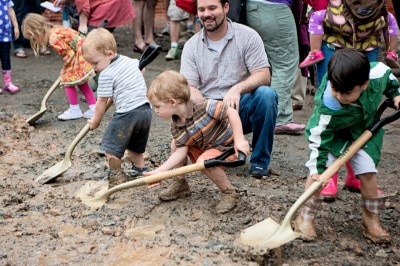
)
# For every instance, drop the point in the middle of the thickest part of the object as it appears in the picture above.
(371, 208)
(329, 192)
(352, 183)
(8, 85)
(304, 222)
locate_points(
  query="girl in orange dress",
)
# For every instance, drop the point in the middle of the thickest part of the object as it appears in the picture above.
(75, 71)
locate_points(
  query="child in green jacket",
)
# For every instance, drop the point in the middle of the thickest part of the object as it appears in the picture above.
(345, 105)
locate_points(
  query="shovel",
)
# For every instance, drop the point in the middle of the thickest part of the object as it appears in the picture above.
(148, 56)
(66, 163)
(101, 197)
(268, 233)
(32, 120)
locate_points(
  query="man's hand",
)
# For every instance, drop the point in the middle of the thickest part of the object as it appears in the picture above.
(232, 98)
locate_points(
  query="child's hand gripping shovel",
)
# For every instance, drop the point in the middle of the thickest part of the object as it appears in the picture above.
(32, 120)
(148, 56)
(101, 196)
(268, 234)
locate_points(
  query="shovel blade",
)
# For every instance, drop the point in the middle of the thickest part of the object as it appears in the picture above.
(99, 198)
(283, 235)
(256, 234)
(53, 171)
(32, 120)
(268, 234)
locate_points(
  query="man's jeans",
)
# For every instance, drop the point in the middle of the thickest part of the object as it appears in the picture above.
(258, 111)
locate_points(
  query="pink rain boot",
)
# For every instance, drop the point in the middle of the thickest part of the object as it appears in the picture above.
(8, 86)
(328, 193)
(352, 183)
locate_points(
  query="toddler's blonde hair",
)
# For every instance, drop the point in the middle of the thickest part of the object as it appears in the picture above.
(169, 85)
(36, 29)
(100, 40)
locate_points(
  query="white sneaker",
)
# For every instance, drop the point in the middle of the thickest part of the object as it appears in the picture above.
(70, 114)
(88, 114)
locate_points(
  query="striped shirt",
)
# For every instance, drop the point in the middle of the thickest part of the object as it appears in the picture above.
(207, 128)
(123, 81)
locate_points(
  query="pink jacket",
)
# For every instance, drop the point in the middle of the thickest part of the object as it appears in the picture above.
(117, 12)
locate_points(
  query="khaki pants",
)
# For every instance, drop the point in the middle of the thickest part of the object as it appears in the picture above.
(299, 88)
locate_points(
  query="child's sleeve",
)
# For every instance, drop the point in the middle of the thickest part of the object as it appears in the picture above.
(392, 86)
(320, 137)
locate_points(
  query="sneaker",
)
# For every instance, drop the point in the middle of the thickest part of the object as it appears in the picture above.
(88, 114)
(136, 171)
(391, 58)
(229, 201)
(172, 54)
(312, 58)
(70, 114)
(259, 172)
(290, 128)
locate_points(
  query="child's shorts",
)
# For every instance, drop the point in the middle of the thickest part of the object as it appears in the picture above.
(175, 13)
(361, 163)
(197, 155)
(128, 131)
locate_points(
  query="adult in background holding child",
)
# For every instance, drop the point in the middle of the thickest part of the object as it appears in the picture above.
(275, 23)
(227, 61)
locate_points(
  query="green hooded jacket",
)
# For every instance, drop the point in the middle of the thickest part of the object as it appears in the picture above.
(332, 131)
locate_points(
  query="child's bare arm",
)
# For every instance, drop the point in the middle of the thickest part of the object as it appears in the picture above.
(176, 158)
(14, 21)
(101, 107)
(241, 144)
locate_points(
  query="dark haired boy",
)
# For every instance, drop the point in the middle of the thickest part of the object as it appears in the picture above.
(345, 105)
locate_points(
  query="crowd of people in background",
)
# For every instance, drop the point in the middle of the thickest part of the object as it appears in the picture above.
(259, 71)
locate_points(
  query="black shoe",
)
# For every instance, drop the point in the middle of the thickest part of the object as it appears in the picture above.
(259, 172)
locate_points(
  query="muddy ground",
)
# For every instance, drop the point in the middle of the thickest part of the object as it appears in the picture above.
(48, 225)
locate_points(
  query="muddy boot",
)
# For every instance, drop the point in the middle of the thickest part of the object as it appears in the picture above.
(370, 220)
(304, 223)
(116, 175)
(179, 188)
(229, 200)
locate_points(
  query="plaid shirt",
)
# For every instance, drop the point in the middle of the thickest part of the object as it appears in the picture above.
(207, 128)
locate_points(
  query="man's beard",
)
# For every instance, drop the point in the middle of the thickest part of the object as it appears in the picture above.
(215, 27)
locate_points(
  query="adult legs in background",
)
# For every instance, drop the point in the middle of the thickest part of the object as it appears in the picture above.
(277, 28)
(145, 11)
(299, 91)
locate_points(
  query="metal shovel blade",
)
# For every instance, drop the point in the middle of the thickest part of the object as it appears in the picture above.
(66, 163)
(101, 197)
(255, 234)
(54, 171)
(32, 120)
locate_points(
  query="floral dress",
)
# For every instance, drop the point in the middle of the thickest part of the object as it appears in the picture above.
(5, 23)
(67, 43)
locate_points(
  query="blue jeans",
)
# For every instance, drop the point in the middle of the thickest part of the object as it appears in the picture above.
(258, 111)
(322, 67)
